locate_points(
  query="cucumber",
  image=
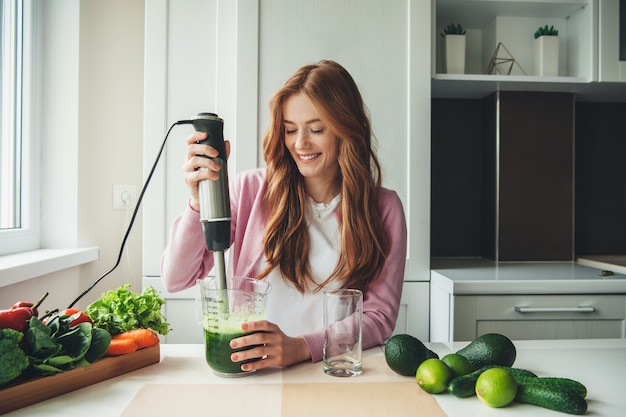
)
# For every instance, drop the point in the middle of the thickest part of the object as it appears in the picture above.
(465, 385)
(520, 373)
(551, 395)
(566, 383)
(570, 384)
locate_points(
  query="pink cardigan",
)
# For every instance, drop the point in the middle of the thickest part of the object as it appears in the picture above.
(186, 258)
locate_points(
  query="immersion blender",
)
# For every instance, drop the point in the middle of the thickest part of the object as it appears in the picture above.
(214, 196)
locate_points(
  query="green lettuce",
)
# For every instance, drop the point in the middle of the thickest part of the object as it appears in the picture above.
(120, 310)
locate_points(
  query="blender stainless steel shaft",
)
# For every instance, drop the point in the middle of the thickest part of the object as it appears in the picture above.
(214, 196)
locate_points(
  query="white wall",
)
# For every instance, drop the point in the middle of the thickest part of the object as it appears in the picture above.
(110, 135)
(91, 131)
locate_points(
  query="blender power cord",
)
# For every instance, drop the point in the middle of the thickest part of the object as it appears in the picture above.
(135, 211)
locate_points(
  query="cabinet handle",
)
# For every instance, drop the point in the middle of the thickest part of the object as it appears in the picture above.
(579, 309)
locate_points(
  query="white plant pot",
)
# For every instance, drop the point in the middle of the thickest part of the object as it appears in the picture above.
(454, 54)
(546, 54)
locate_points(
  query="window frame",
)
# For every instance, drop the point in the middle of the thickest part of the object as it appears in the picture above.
(27, 236)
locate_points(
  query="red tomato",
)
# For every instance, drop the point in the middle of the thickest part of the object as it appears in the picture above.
(81, 317)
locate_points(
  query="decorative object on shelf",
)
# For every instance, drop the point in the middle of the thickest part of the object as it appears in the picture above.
(546, 51)
(454, 49)
(545, 31)
(503, 65)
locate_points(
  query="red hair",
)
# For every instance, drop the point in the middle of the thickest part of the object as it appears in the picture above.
(339, 105)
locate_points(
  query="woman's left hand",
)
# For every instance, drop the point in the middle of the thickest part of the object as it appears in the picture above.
(271, 344)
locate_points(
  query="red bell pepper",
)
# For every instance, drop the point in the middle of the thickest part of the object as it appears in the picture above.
(17, 316)
(26, 304)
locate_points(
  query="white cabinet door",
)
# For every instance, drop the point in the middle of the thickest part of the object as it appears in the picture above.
(182, 311)
(414, 310)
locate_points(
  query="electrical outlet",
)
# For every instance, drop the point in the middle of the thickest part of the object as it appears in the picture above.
(124, 196)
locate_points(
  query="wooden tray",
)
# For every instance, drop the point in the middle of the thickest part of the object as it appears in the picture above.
(43, 388)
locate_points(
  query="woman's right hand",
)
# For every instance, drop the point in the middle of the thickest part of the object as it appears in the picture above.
(197, 168)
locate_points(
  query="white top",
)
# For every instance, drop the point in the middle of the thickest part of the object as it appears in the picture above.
(481, 276)
(297, 313)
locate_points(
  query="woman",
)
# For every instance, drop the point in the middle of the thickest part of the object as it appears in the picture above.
(315, 218)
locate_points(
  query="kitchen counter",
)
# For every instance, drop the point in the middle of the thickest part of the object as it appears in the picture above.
(482, 276)
(600, 364)
(615, 263)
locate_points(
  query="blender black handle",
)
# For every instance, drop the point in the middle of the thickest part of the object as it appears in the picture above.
(214, 196)
(213, 126)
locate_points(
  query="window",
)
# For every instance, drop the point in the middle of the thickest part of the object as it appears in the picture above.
(18, 194)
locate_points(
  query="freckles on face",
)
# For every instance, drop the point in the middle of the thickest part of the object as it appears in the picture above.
(310, 142)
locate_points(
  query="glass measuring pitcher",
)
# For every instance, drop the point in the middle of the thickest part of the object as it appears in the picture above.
(223, 313)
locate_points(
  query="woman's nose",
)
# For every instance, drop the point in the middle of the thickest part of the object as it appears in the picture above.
(302, 139)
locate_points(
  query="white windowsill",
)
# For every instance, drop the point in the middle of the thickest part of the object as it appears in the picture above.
(24, 266)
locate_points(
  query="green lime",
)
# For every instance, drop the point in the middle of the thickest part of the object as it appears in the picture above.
(460, 365)
(433, 375)
(496, 387)
(404, 353)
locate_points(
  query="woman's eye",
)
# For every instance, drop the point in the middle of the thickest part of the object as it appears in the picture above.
(317, 131)
(290, 131)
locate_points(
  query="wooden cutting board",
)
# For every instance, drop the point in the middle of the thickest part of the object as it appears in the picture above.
(33, 391)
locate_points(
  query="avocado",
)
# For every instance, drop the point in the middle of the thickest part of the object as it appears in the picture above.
(430, 354)
(404, 353)
(490, 349)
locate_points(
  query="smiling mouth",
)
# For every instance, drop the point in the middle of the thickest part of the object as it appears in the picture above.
(308, 157)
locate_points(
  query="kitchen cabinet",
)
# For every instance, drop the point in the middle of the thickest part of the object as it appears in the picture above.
(525, 317)
(508, 194)
(513, 23)
(182, 310)
(414, 310)
(560, 300)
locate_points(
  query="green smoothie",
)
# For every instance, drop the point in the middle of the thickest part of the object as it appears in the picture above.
(218, 350)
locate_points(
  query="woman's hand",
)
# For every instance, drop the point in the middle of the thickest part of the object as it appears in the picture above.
(197, 168)
(274, 346)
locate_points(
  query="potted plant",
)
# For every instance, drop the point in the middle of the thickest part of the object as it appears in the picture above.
(454, 49)
(546, 51)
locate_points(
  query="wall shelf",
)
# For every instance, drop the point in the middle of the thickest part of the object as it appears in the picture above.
(481, 85)
(513, 23)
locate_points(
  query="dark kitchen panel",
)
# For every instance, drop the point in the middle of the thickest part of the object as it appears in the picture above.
(536, 176)
(489, 179)
(600, 179)
(455, 177)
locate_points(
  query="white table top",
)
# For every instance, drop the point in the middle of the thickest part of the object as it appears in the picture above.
(482, 276)
(599, 364)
